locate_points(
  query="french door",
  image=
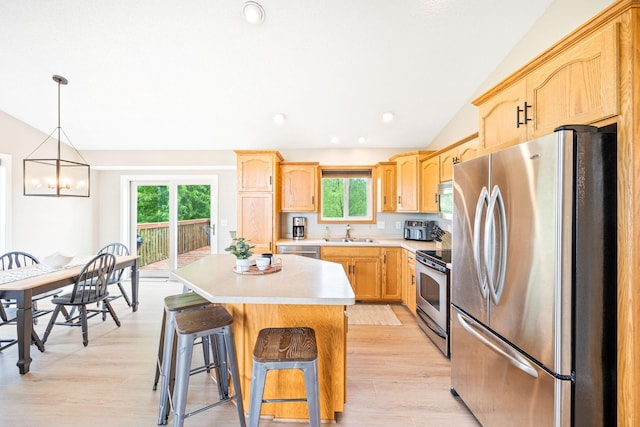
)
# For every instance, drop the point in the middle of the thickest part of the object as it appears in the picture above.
(173, 221)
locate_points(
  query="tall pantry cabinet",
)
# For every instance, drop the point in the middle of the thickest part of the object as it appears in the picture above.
(257, 203)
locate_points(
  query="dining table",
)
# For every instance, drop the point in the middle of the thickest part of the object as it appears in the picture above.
(22, 284)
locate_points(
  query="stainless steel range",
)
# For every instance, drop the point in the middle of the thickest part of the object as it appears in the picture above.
(433, 296)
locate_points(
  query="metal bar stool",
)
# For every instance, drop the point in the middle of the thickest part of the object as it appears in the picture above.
(285, 348)
(167, 348)
(190, 325)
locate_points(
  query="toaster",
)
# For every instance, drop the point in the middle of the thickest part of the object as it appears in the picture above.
(418, 230)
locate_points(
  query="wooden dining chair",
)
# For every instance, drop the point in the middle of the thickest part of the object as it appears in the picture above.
(117, 249)
(90, 286)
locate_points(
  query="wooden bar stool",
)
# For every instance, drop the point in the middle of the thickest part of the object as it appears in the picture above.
(213, 321)
(167, 348)
(285, 348)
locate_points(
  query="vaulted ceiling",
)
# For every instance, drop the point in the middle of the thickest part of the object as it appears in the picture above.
(193, 74)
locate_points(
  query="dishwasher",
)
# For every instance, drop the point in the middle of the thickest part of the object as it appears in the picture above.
(307, 250)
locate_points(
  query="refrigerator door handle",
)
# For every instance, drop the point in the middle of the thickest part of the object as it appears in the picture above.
(479, 259)
(496, 283)
(500, 348)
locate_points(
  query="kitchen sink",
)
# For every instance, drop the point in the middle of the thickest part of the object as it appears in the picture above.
(351, 240)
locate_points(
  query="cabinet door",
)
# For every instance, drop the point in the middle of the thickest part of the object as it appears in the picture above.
(387, 189)
(407, 173)
(299, 187)
(255, 220)
(499, 119)
(446, 165)
(405, 275)
(256, 171)
(467, 151)
(579, 86)
(392, 277)
(366, 274)
(411, 273)
(430, 176)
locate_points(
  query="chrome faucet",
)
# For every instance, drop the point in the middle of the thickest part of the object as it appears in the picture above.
(348, 232)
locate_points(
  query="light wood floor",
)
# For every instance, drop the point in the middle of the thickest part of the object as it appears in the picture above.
(395, 376)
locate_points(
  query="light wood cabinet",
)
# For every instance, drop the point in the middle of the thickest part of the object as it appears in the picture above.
(409, 280)
(256, 220)
(299, 187)
(429, 180)
(257, 174)
(408, 180)
(392, 274)
(363, 266)
(257, 170)
(578, 85)
(387, 188)
(463, 150)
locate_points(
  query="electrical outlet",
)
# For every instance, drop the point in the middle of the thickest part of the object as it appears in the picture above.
(223, 223)
(380, 225)
(398, 225)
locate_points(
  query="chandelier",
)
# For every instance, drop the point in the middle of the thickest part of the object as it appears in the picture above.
(48, 176)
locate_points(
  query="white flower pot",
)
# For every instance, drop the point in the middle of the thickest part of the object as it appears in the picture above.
(243, 264)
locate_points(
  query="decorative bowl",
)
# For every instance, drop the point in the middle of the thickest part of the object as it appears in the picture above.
(57, 260)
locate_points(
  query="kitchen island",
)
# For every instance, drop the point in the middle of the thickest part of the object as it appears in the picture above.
(305, 292)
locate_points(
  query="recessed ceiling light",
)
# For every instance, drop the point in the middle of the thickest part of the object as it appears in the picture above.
(253, 12)
(362, 140)
(388, 117)
(279, 118)
(335, 140)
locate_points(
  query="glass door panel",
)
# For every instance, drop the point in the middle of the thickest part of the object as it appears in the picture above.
(173, 224)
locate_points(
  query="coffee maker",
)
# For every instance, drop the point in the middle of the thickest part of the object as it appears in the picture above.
(299, 223)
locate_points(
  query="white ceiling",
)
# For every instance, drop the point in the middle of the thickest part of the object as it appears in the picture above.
(192, 74)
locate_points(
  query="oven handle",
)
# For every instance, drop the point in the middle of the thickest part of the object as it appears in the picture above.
(504, 350)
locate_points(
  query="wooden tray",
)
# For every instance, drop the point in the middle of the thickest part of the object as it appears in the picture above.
(253, 270)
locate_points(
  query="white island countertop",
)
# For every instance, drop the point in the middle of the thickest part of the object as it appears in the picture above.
(301, 281)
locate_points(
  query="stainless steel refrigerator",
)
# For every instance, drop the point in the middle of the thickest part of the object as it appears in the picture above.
(533, 320)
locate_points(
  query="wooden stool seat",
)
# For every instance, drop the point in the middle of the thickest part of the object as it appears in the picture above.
(285, 348)
(285, 345)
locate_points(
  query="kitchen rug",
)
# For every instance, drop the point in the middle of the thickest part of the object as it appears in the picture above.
(372, 314)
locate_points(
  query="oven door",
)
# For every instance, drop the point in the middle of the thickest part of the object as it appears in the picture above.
(432, 294)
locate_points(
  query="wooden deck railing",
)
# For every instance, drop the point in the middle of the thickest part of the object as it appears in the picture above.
(192, 234)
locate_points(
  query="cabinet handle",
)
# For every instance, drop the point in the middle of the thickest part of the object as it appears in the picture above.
(413, 280)
(524, 111)
(436, 198)
(399, 200)
(385, 200)
(313, 199)
(456, 160)
(384, 259)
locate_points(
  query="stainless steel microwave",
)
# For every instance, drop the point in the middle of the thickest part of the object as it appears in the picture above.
(445, 200)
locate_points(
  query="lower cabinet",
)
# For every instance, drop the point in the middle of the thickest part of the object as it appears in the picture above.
(409, 280)
(374, 272)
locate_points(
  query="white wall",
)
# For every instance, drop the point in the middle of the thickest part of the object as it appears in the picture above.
(560, 19)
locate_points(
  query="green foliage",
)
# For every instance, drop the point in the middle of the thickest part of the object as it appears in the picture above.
(240, 248)
(333, 197)
(153, 203)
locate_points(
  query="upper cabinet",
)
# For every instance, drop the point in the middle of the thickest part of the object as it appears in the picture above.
(408, 180)
(462, 151)
(430, 178)
(576, 85)
(257, 170)
(299, 186)
(387, 188)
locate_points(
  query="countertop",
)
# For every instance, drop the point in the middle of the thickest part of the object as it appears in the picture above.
(411, 245)
(301, 281)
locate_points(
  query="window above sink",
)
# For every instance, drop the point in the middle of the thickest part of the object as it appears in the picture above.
(346, 194)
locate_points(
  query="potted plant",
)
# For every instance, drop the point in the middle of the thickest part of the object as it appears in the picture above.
(242, 250)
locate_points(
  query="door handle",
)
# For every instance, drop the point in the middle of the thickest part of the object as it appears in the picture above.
(496, 283)
(479, 260)
(500, 348)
